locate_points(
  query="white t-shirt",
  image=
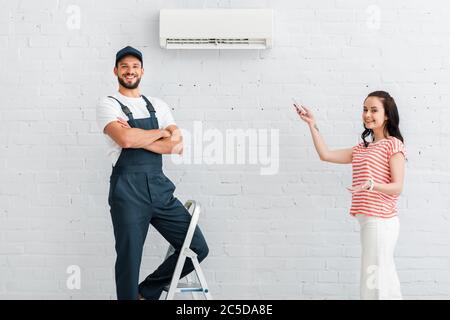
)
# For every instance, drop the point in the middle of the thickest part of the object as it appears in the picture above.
(109, 110)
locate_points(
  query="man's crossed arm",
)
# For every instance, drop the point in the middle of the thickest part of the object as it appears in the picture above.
(162, 141)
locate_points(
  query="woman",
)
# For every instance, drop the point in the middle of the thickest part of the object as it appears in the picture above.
(378, 171)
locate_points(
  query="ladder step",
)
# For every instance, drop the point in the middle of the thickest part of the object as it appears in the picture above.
(187, 287)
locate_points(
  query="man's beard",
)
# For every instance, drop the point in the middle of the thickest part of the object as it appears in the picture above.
(129, 86)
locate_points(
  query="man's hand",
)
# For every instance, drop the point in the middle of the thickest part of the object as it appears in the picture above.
(166, 133)
(123, 122)
(170, 145)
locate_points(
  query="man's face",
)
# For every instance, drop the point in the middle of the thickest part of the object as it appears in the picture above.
(129, 72)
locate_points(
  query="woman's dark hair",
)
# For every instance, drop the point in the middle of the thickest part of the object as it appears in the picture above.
(393, 119)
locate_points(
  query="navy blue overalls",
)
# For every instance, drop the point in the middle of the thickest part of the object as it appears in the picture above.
(140, 194)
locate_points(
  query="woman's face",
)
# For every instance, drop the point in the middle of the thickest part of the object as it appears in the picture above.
(373, 114)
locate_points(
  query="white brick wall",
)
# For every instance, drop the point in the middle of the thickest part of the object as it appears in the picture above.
(281, 236)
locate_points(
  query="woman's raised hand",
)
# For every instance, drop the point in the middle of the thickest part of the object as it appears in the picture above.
(305, 114)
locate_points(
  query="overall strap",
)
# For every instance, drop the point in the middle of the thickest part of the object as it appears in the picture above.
(150, 108)
(125, 109)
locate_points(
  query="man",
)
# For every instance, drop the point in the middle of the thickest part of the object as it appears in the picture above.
(139, 130)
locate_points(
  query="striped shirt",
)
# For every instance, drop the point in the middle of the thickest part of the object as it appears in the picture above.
(373, 162)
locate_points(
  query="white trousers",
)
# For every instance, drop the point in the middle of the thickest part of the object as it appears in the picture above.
(379, 279)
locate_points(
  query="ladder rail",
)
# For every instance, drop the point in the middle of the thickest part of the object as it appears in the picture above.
(201, 278)
(186, 252)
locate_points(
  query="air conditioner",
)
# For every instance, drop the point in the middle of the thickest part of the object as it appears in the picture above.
(216, 28)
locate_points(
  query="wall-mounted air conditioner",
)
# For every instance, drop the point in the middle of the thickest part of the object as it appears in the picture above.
(216, 28)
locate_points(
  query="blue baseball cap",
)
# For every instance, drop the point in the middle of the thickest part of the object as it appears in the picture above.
(129, 51)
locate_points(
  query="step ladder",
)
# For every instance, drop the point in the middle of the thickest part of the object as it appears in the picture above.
(192, 286)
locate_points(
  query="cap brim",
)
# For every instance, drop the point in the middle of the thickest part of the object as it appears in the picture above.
(129, 54)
